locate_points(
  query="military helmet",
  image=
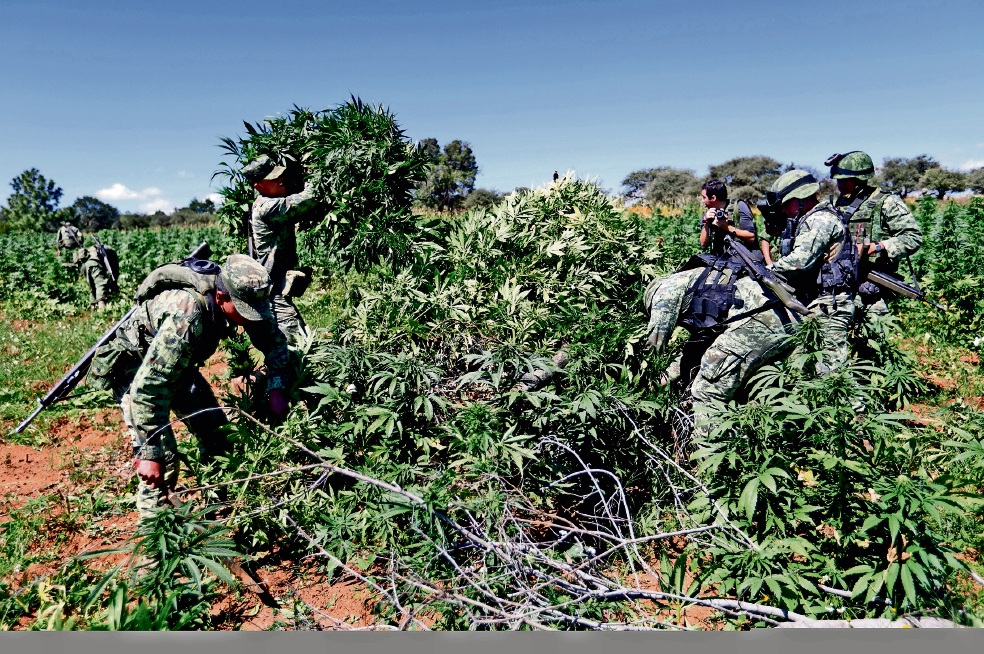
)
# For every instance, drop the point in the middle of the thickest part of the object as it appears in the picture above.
(261, 168)
(248, 284)
(853, 164)
(797, 184)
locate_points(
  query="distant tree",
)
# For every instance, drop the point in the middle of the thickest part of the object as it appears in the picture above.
(634, 184)
(134, 220)
(206, 206)
(975, 180)
(902, 175)
(670, 186)
(33, 205)
(747, 177)
(92, 214)
(942, 181)
(482, 198)
(450, 177)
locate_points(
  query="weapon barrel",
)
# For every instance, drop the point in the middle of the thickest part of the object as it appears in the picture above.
(900, 287)
(72, 378)
(767, 279)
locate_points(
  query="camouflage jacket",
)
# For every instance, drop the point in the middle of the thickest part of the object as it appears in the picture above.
(173, 332)
(667, 299)
(69, 237)
(818, 237)
(887, 219)
(272, 222)
(85, 255)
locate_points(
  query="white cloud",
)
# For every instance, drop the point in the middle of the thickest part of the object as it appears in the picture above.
(972, 164)
(182, 174)
(118, 192)
(160, 204)
(215, 198)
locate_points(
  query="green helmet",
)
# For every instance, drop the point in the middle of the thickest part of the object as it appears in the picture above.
(853, 164)
(794, 184)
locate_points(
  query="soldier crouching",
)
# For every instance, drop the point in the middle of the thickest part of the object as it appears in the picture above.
(152, 365)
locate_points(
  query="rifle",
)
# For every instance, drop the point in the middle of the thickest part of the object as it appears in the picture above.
(61, 390)
(766, 278)
(885, 280)
(105, 259)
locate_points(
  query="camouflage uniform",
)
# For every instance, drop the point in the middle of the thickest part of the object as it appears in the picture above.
(92, 269)
(272, 222)
(69, 237)
(743, 347)
(886, 219)
(818, 237)
(152, 366)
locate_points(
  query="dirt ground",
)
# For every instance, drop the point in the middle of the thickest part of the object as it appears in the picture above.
(90, 453)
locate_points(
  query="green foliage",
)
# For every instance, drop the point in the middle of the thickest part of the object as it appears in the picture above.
(941, 181)
(33, 206)
(363, 168)
(450, 175)
(661, 186)
(901, 175)
(91, 214)
(747, 177)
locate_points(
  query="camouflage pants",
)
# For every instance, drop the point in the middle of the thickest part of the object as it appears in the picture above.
(735, 356)
(289, 320)
(100, 286)
(194, 395)
(836, 312)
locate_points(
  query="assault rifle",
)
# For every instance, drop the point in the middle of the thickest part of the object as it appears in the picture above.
(104, 258)
(766, 278)
(61, 390)
(886, 280)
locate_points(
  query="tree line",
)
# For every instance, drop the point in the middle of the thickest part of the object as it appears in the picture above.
(750, 177)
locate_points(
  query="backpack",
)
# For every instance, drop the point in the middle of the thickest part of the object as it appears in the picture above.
(712, 294)
(199, 277)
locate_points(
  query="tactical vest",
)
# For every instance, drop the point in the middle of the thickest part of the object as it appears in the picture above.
(871, 204)
(839, 274)
(712, 294)
(197, 276)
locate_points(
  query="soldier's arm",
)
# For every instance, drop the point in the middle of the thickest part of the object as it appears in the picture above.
(665, 304)
(268, 339)
(167, 358)
(289, 208)
(810, 246)
(906, 237)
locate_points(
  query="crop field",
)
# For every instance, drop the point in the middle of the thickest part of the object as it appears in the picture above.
(418, 484)
(479, 437)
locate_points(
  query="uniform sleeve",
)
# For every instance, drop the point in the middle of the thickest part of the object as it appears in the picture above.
(268, 339)
(666, 302)
(289, 209)
(169, 354)
(811, 244)
(904, 235)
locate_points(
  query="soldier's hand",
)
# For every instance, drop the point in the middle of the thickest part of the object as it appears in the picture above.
(278, 403)
(150, 472)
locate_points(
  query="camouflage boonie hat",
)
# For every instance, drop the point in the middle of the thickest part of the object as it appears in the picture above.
(261, 168)
(796, 184)
(853, 164)
(248, 284)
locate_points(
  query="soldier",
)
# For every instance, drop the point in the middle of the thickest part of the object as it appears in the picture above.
(275, 213)
(93, 269)
(818, 258)
(884, 217)
(754, 331)
(724, 217)
(69, 237)
(152, 363)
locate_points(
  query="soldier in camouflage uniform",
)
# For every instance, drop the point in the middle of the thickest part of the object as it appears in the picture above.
(69, 237)
(152, 366)
(759, 334)
(92, 268)
(884, 217)
(273, 218)
(818, 259)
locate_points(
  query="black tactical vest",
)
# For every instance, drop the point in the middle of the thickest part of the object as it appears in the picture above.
(840, 274)
(712, 294)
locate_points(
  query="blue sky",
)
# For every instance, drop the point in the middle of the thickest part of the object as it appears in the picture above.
(128, 99)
